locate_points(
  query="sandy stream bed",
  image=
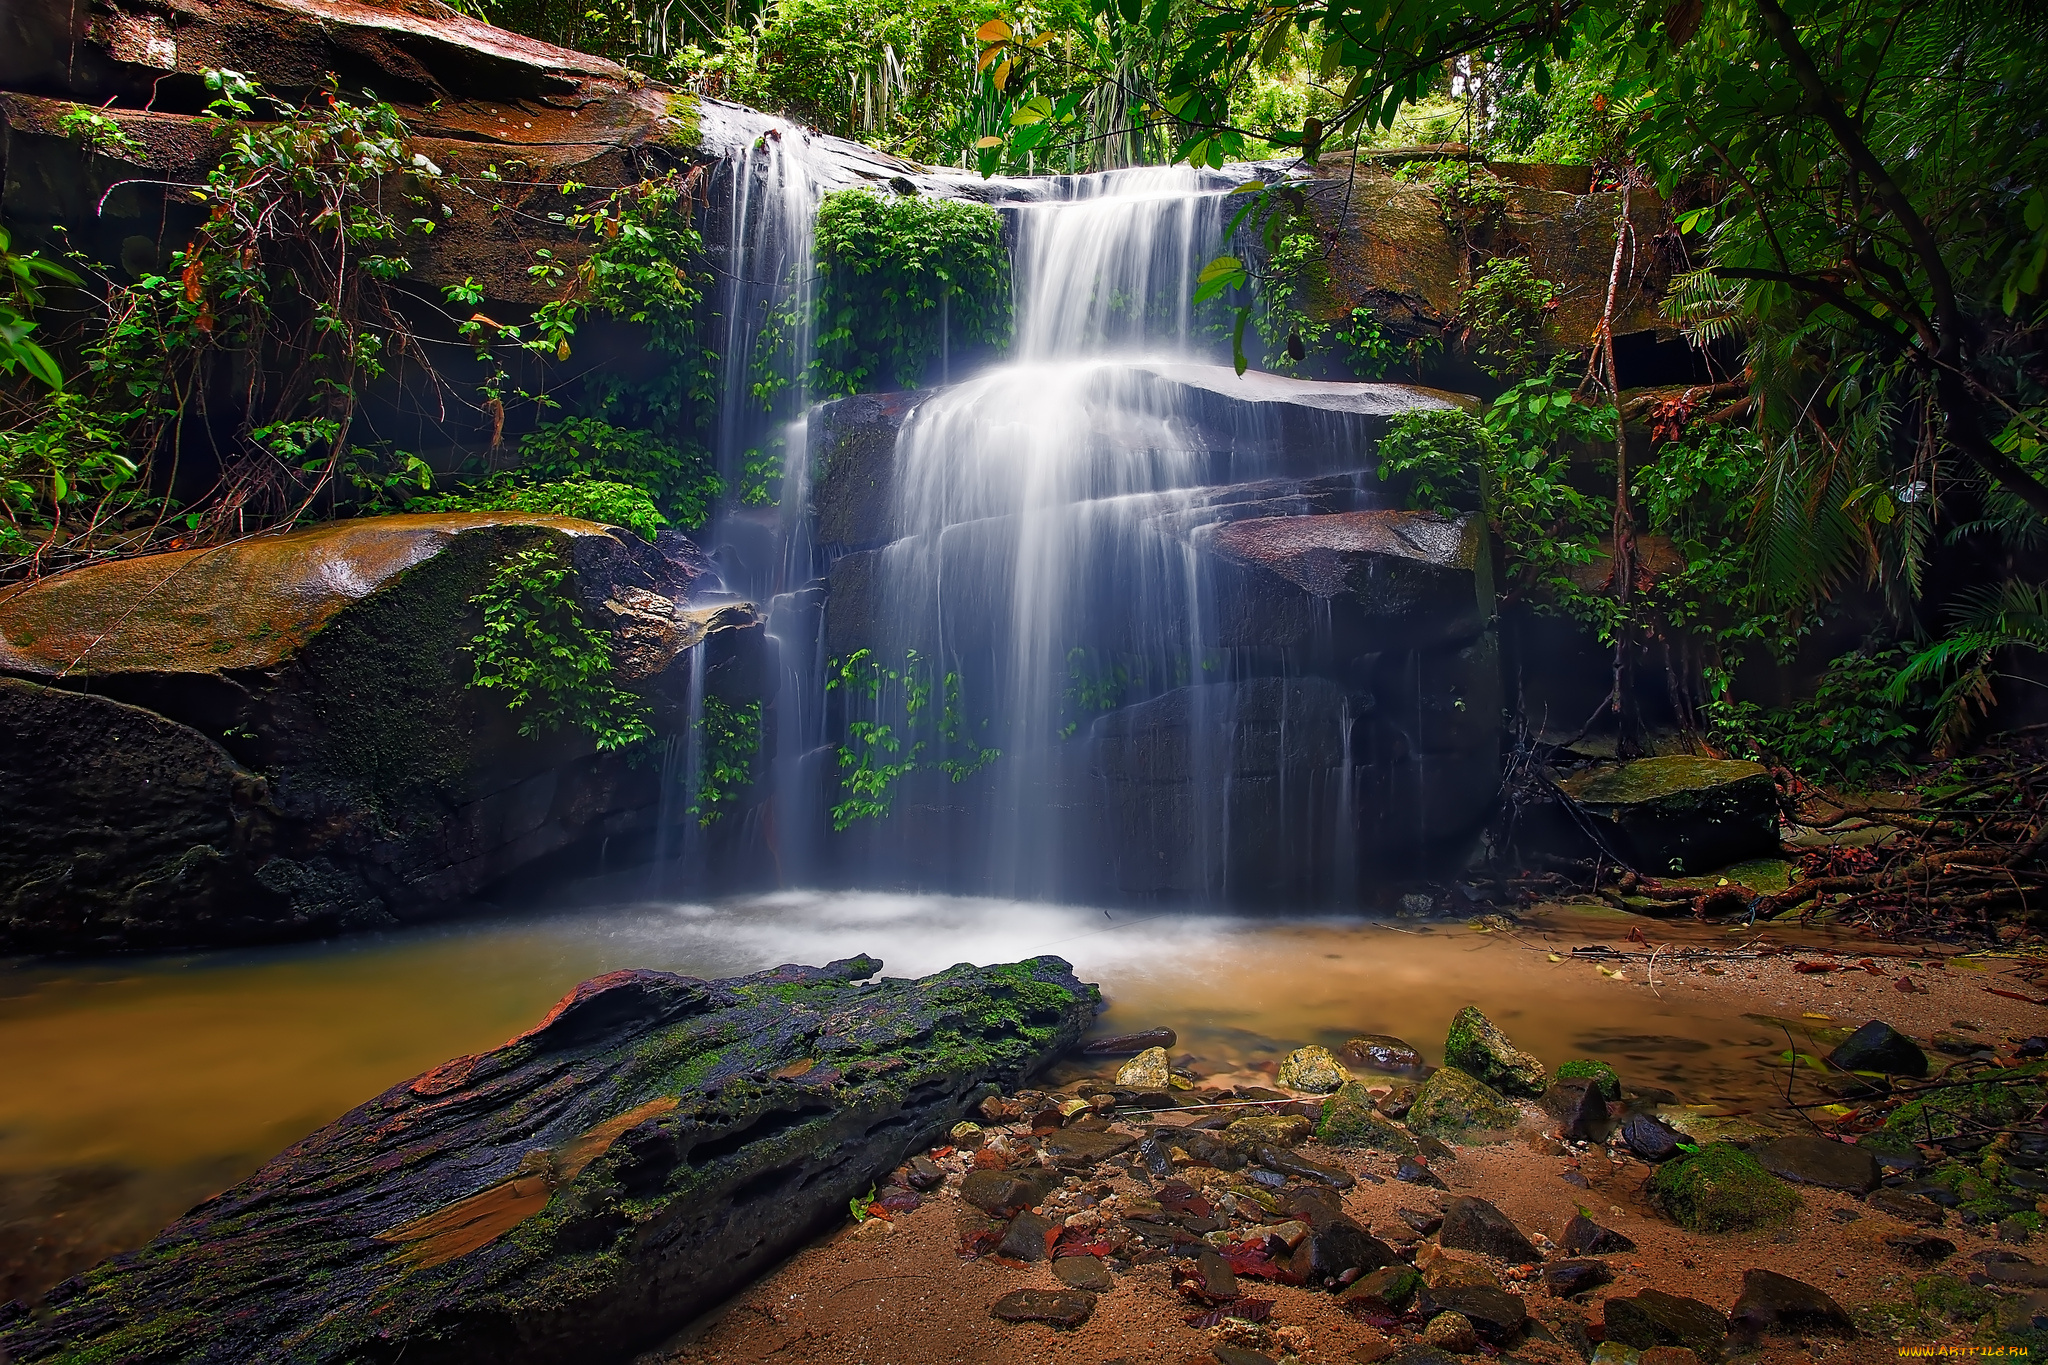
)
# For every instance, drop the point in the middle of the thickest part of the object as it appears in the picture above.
(904, 1295)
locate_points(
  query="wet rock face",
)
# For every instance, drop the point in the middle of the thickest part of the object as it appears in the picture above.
(281, 740)
(1453, 1106)
(1476, 1046)
(1877, 1046)
(650, 1146)
(1820, 1161)
(1681, 814)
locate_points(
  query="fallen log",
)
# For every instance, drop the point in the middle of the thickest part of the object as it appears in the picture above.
(652, 1145)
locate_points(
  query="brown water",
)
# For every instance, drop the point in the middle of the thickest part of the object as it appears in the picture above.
(133, 1089)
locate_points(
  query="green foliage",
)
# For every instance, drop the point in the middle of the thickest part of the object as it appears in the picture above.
(101, 132)
(728, 740)
(893, 270)
(1504, 310)
(21, 278)
(1851, 730)
(599, 500)
(1445, 454)
(897, 706)
(552, 668)
(1468, 195)
(676, 480)
(1985, 622)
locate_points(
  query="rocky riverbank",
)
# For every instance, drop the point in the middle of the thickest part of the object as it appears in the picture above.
(1146, 1211)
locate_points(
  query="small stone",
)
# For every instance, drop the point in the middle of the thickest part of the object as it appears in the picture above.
(1311, 1069)
(1281, 1130)
(1584, 1237)
(966, 1136)
(1396, 1103)
(1452, 1332)
(1381, 1052)
(1910, 1208)
(1654, 1318)
(1289, 1163)
(1917, 1249)
(1218, 1281)
(1782, 1306)
(1454, 1104)
(1001, 1193)
(1078, 1148)
(1414, 1171)
(1649, 1138)
(1341, 1245)
(1476, 1047)
(1350, 1120)
(1067, 1308)
(1083, 1272)
(1424, 1221)
(1616, 1353)
(1238, 1355)
(1386, 1290)
(1877, 1046)
(1720, 1188)
(1562, 1279)
(1024, 1239)
(925, 1174)
(1475, 1225)
(1444, 1270)
(1578, 1107)
(1495, 1313)
(1601, 1074)
(1129, 1044)
(1149, 1070)
(1820, 1161)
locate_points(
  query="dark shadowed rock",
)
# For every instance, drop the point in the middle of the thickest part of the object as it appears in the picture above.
(1084, 1272)
(1076, 1148)
(1655, 1318)
(1130, 1044)
(1578, 1107)
(1911, 1208)
(1381, 1052)
(1067, 1308)
(1475, 1225)
(1385, 1291)
(1820, 1161)
(1918, 1249)
(1024, 1239)
(649, 1147)
(1289, 1163)
(1338, 1245)
(1649, 1138)
(1496, 1313)
(1877, 1046)
(1566, 1278)
(1584, 1237)
(1004, 1193)
(1218, 1281)
(1680, 814)
(1782, 1306)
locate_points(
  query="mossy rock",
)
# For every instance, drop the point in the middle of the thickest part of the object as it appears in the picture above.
(1456, 1106)
(1351, 1120)
(1312, 1069)
(1476, 1046)
(1680, 814)
(1721, 1188)
(1990, 1104)
(651, 1146)
(1953, 1300)
(1601, 1074)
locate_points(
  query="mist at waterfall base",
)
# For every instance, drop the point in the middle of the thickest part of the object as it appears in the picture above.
(1114, 730)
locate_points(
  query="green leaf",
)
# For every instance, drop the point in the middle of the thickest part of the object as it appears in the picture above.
(1237, 357)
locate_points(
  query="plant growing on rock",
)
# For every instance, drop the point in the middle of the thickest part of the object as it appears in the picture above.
(553, 669)
(728, 740)
(896, 703)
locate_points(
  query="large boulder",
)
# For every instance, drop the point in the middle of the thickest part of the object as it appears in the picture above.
(1680, 814)
(649, 1147)
(279, 737)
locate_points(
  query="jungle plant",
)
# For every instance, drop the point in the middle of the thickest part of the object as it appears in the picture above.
(728, 740)
(1468, 196)
(552, 668)
(890, 723)
(600, 500)
(22, 276)
(902, 276)
(1858, 724)
(1504, 312)
(1986, 622)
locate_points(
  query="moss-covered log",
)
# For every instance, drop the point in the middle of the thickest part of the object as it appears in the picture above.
(652, 1144)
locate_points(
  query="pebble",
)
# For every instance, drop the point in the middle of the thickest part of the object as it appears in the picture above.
(1562, 1279)
(1452, 1332)
(1149, 1070)
(1083, 1272)
(1060, 1307)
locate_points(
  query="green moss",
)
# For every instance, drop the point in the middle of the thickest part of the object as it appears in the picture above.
(685, 131)
(1454, 1105)
(1893, 1320)
(1350, 1119)
(1945, 1113)
(1721, 1188)
(1477, 1047)
(1952, 1299)
(1584, 1068)
(1668, 781)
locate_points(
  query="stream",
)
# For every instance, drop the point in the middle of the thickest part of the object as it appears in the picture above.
(138, 1087)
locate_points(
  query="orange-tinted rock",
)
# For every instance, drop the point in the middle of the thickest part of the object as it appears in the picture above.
(280, 738)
